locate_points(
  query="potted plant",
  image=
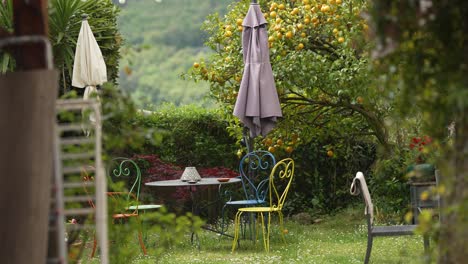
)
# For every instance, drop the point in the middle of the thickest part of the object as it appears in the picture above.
(419, 168)
(421, 173)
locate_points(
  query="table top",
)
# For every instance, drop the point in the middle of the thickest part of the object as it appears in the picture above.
(202, 182)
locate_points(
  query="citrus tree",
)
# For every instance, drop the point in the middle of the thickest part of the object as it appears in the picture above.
(320, 64)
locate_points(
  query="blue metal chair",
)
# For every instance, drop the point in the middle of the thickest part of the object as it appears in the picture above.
(254, 169)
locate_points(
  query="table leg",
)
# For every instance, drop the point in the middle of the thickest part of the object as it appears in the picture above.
(194, 236)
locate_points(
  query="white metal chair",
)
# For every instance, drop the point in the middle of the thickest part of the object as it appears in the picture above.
(359, 185)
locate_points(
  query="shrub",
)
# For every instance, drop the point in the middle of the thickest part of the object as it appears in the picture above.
(321, 183)
(191, 136)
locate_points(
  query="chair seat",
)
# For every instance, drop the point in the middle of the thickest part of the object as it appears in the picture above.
(393, 230)
(258, 209)
(245, 202)
(144, 207)
(118, 216)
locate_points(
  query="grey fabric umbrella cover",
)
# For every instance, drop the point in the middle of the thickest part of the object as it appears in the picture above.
(257, 105)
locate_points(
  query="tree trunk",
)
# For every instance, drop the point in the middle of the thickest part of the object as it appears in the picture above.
(454, 221)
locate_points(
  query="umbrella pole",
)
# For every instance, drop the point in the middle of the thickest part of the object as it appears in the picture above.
(248, 140)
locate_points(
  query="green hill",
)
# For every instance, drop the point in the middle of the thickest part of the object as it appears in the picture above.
(164, 39)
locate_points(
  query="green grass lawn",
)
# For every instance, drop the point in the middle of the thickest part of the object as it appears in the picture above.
(340, 238)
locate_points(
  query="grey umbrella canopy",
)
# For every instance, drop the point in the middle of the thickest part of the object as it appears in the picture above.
(257, 105)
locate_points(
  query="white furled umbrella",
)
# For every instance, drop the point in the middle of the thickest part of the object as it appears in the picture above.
(257, 105)
(89, 68)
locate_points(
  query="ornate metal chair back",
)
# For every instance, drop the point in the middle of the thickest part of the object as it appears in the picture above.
(255, 168)
(280, 178)
(127, 171)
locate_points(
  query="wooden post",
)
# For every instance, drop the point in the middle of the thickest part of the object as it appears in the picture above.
(27, 116)
(30, 18)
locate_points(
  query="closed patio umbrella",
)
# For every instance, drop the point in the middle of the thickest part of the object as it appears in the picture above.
(89, 68)
(257, 105)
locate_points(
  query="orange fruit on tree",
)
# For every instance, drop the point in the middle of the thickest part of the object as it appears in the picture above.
(338, 2)
(330, 153)
(285, 231)
(271, 39)
(299, 26)
(268, 141)
(303, 34)
(359, 100)
(325, 8)
(228, 33)
(196, 64)
(239, 21)
(281, 7)
(300, 46)
(279, 142)
(289, 34)
(228, 27)
(128, 70)
(272, 149)
(340, 39)
(365, 27)
(307, 21)
(273, 14)
(289, 149)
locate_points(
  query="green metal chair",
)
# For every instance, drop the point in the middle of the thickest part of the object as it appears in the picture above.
(127, 171)
(124, 169)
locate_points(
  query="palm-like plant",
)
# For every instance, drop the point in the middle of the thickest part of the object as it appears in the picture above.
(64, 26)
(6, 23)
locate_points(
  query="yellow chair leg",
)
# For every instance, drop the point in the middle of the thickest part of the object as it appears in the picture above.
(268, 232)
(280, 215)
(237, 220)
